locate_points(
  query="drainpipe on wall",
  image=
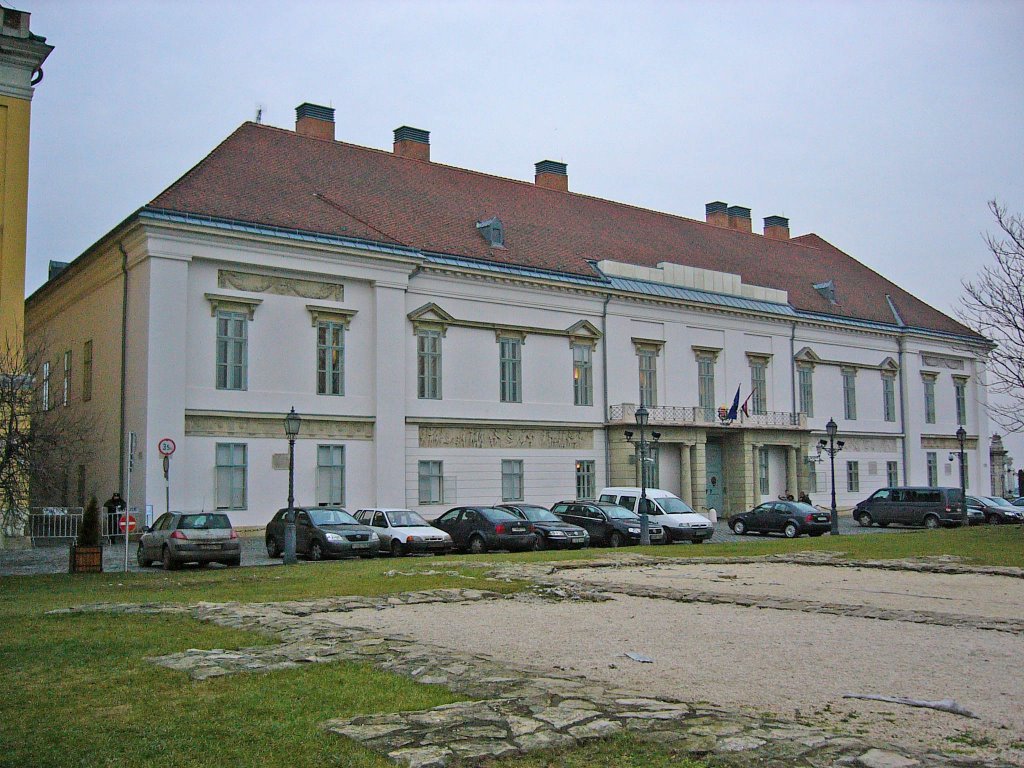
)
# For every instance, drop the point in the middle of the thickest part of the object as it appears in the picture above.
(792, 389)
(792, 364)
(903, 412)
(124, 359)
(604, 381)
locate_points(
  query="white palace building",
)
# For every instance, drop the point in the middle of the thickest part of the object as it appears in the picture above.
(450, 337)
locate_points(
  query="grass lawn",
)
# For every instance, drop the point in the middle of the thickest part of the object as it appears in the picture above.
(78, 692)
(981, 545)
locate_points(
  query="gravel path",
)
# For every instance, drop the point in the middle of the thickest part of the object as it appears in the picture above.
(792, 664)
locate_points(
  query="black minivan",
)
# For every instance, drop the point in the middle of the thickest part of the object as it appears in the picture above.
(930, 507)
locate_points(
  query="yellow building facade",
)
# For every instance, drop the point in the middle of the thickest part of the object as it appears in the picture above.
(21, 57)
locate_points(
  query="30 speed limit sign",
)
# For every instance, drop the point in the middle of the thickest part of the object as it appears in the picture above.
(166, 446)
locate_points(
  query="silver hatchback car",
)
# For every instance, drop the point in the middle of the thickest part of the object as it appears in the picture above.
(190, 537)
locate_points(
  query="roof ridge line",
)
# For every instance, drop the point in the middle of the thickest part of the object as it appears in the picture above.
(527, 184)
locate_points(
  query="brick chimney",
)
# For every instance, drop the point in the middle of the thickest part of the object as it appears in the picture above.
(716, 213)
(739, 218)
(776, 227)
(552, 174)
(412, 142)
(314, 120)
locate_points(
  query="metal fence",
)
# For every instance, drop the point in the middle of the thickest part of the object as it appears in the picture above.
(53, 525)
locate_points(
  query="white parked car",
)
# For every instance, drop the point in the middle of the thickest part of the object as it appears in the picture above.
(673, 514)
(402, 531)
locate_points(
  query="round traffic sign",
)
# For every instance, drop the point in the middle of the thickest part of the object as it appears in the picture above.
(128, 523)
(166, 446)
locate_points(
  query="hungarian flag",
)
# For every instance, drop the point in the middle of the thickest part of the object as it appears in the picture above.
(731, 416)
(744, 408)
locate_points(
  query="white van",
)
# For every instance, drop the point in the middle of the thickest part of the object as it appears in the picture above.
(678, 519)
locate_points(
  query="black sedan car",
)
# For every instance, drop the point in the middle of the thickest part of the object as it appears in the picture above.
(479, 529)
(607, 524)
(790, 518)
(322, 532)
(994, 509)
(552, 532)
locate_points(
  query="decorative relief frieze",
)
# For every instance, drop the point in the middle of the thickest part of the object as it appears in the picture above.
(272, 426)
(505, 437)
(937, 442)
(283, 286)
(871, 444)
(940, 361)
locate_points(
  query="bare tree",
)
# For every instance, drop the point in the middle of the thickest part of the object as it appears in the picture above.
(42, 435)
(993, 305)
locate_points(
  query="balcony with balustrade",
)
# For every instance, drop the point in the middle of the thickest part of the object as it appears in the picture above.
(708, 418)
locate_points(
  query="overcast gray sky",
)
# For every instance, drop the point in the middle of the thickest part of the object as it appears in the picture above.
(883, 127)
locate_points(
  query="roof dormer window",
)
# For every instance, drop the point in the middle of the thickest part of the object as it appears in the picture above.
(827, 291)
(493, 231)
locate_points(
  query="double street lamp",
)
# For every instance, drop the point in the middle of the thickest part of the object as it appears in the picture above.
(642, 446)
(961, 437)
(832, 447)
(292, 422)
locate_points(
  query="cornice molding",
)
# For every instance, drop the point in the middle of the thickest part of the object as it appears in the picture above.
(242, 304)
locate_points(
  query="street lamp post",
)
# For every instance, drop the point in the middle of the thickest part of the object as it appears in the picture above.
(832, 447)
(292, 422)
(961, 437)
(642, 446)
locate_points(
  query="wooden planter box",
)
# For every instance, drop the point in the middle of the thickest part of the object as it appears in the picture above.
(86, 559)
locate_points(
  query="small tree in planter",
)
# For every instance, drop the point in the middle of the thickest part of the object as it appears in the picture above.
(87, 552)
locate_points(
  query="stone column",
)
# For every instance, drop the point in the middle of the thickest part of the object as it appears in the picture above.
(792, 478)
(698, 470)
(686, 479)
(754, 487)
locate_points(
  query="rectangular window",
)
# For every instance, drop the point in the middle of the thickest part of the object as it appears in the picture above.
(582, 375)
(231, 475)
(45, 394)
(330, 358)
(891, 474)
(648, 376)
(805, 374)
(933, 468)
(812, 477)
(960, 394)
(759, 387)
(232, 350)
(929, 401)
(850, 394)
(706, 386)
(888, 397)
(428, 365)
(87, 370)
(762, 471)
(853, 476)
(330, 474)
(511, 480)
(431, 482)
(66, 392)
(511, 370)
(586, 486)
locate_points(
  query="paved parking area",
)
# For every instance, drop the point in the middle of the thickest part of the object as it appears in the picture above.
(28, 561)
(25, 561)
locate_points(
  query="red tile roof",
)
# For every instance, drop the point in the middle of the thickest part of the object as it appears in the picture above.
(274, 177)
